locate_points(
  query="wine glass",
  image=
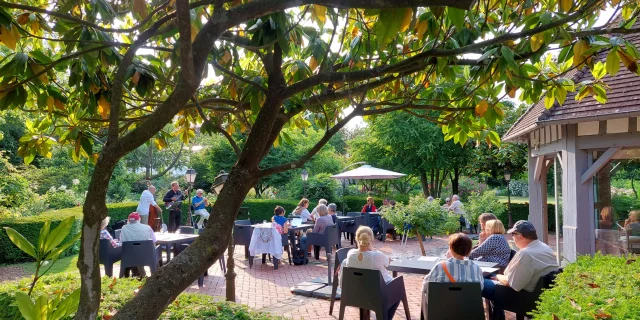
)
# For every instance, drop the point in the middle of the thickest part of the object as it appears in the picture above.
(409, 254)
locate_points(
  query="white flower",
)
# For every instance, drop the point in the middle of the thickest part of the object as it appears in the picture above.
(52, 189)
(75, 182)
(63, 187)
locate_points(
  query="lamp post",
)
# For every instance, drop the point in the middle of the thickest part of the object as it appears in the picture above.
(218, 182)
(507, 178)
(304, 175)
(190, 176)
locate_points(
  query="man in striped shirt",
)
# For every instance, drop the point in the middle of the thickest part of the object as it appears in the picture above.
(455, 269)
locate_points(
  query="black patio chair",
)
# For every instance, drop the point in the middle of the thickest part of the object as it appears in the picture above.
(326, 240)
(442, 298)
(366, 289)
(357, 222)
(187, 230)
(109, 255)
(521, 302)
(341, 254)
(140, 254)
(385, 226)
(242, 236)
(354, 214)
(287, 245)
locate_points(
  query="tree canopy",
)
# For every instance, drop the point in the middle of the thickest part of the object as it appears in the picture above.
(106, 76)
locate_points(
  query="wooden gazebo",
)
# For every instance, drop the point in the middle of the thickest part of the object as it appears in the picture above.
(584, 137)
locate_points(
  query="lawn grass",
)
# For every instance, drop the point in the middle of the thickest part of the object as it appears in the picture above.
(515, 199)
(65, 264)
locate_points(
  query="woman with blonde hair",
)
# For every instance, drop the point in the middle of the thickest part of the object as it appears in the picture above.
(370, 206)
(606, 218)
(366, 257)
(495, 248)
(301, 210)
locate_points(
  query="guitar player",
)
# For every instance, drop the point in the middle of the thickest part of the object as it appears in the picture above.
(173, 201)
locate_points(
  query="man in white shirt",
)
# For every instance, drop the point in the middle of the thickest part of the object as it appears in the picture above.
(534, 260)
(147, 199)
(457, 208)
(136, 231)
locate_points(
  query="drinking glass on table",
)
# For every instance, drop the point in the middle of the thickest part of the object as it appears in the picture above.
(409, 254)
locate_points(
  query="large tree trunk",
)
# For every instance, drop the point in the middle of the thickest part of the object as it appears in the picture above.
(425, 184)
(455, 179)
(170, 280)
(94, 210)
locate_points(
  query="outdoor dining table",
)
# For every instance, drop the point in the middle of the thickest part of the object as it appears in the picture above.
(293, 230)
(423, 265)
(167, 240)
(265, 239)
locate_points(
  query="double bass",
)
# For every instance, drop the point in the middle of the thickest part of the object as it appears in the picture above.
(155, 219)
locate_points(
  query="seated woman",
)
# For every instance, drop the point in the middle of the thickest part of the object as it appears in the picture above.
(495, 248)
(104, 233)
(606, 218)
(633, 223)
(332, 212)
(314, 213)
(370, 206)
(482, 219)
(366, 257)
(324, 220)
(279, 221)
(301, 210)
(455, 269)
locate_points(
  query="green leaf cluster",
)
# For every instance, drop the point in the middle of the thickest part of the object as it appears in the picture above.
(426, 217)
(486, 202)
(599, 287)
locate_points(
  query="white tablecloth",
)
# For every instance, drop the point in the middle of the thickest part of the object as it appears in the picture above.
(266, 239)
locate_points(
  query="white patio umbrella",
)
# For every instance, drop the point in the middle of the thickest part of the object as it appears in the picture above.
(368, 172)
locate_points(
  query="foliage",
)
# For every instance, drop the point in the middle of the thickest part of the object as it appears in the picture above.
(599, 287)
(622, 205)
(401, 142)
(467, 187)
(11, 130)
(46, 253)
(356, 202)
(118, 292)
(14, 188)
(319, 186)
(427, 217)
(489, 161)
(519, 188)
(479, 203)
(520, 211)
(60, 198)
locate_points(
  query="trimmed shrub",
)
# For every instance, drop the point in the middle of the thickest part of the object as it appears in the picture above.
(186, 305)
(355, 203)
(520, 211)
(602, 287)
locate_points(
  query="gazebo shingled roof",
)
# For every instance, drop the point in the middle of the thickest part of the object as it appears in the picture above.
(623, 101)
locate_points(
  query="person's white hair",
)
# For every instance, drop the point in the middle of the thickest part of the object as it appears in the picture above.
(332, 207)
(105, 222)
(321, 209)
(151, 187)
(455, 197)
(199, 191)
(323, 201)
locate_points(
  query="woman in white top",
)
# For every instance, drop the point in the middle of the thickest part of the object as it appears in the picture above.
(302, 211)
(366, 257)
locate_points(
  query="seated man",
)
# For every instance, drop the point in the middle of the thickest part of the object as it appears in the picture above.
(199, 204)
(136, 231)
(534, 260)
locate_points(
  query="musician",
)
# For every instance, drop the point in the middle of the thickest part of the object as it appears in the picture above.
(199, 203)
(147, 201)
(173, 198)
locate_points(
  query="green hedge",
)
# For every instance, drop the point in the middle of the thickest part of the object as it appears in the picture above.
(355, 203)
(186, 306)
(520, 211)
(602, 287)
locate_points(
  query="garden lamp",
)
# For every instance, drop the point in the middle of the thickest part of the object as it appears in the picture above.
(219, 181)
(190, 175)
(507, 178)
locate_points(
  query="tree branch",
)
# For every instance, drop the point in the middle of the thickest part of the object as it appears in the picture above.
(224, 70)
(173, 163)
(186, 55)
(327, 136)
(226, 134)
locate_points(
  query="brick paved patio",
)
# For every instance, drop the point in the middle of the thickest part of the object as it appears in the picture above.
(265, 289)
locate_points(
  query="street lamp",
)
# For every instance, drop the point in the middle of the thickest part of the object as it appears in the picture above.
(507, 178)
(218, 182)
(190, 175)
(304, 175)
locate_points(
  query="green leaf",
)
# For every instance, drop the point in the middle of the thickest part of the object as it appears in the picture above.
(26, 306)
(58, 234)
(549, 99)
(388, 26)
(599, 71)
(613, 62)
(67, 306)
(21, 242)
(494, 138)
(44, 233)
(53, 256)
(457, 17)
